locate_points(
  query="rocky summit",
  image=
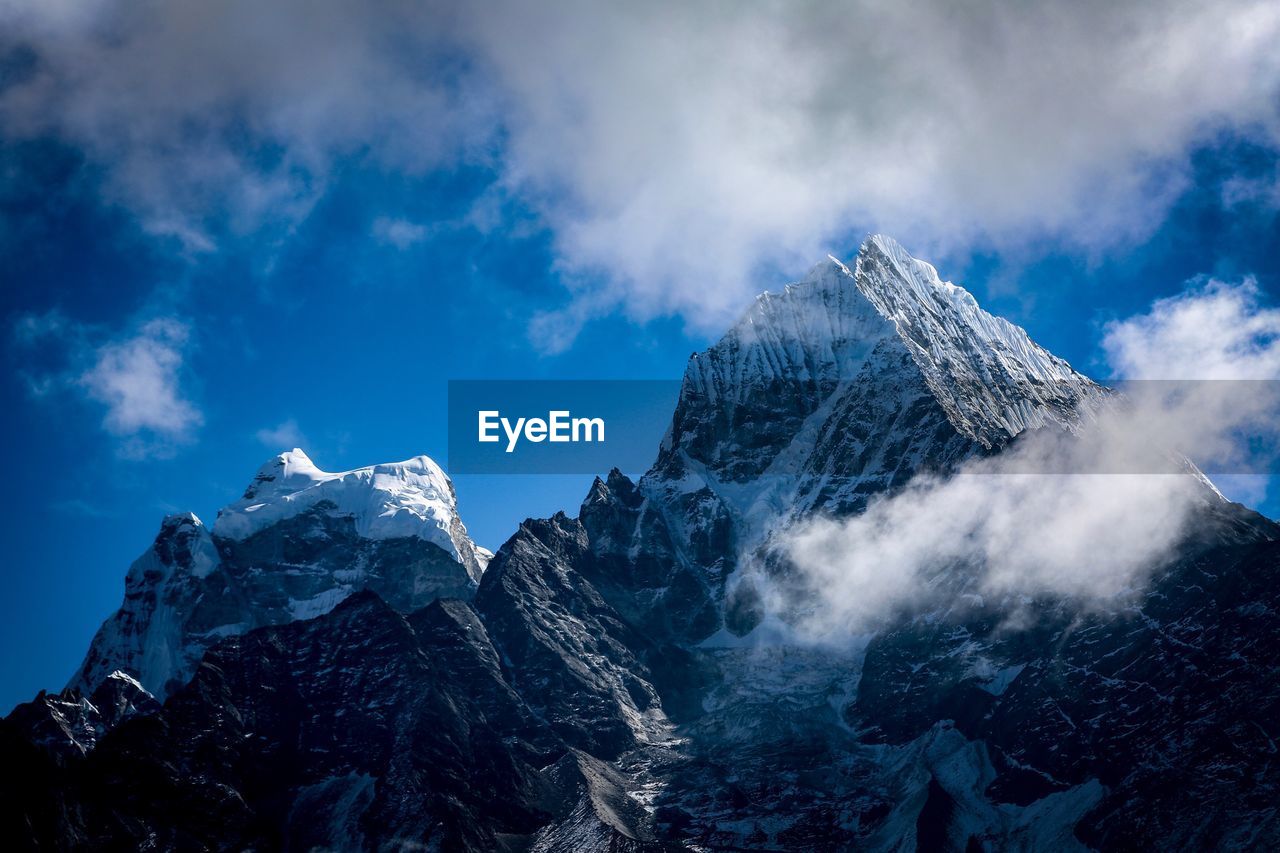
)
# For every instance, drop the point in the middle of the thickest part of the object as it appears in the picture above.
(335, 665)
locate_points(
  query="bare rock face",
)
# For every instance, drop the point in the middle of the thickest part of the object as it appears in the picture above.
(572, 657)
(360, 728)
(341, 674)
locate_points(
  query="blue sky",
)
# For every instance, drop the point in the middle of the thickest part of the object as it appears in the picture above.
(290, 256)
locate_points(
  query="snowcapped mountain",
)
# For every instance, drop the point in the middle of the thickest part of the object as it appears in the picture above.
(299, 541)
(841, 387)
(602, 685)
(819, 337)
(401, 500)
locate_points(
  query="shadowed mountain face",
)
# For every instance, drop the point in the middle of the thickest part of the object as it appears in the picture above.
(607, 683)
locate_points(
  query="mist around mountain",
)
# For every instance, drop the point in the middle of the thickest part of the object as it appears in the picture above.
(885, 587)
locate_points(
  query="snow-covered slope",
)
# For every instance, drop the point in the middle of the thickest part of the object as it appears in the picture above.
(148, 637)
(989, 376)
(887, 319)
(296, 544)
(399, 499)
(840, 387)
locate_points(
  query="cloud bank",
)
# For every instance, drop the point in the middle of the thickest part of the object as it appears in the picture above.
(1092, 534)
(231, 118)
(673, 150)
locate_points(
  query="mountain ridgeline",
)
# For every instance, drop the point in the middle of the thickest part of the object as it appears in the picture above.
(336, 665)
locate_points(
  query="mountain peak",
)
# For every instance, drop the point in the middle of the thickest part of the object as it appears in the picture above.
(847, 384)
(388, 501)
(299, 542)
(824, 326)
(987, 373)
(175, 521)
(291, 466)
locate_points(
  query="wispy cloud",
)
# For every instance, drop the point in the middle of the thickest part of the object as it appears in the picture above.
(284, 436)
(230, 118)
(400, 233)
(135, 377)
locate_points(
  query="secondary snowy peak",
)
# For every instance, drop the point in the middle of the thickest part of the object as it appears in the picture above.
(396, 500)
(299, 542)
(183, 545)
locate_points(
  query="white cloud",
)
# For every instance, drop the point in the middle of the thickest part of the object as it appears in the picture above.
(1215, 331)
(674, 149)
(1092, 534)
(232, 116)
(1088, 537)
(285, 436)
(137, 378)
(677, 149)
